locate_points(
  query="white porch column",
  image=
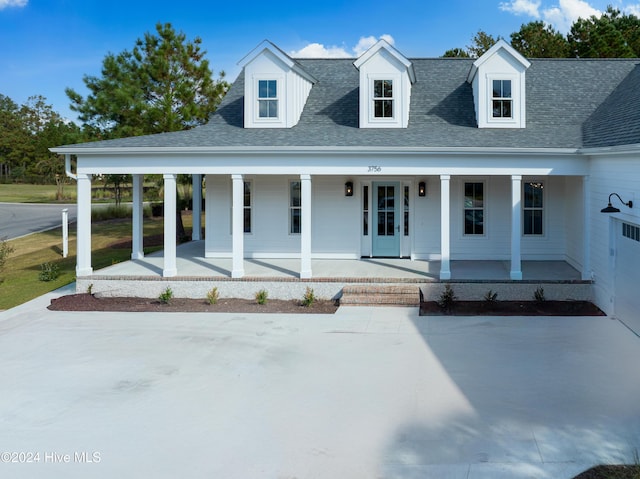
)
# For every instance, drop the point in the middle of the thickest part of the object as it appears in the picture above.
(237, 230)
(445, 227)
(516, 221)
(83, 247)
(586, 228)
(305, 233)
(170, 266)
(137, 251)
(197, 207)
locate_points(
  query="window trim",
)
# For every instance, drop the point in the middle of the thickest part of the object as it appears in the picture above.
(383, 99)
(277, 99)
(483, 209)
(502, 99)
(244, 207)
(249, 207)
(396, 82)
(292, 208)
(509, 122)
(542, 208)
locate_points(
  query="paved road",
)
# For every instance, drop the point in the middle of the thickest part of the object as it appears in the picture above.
(18, 219)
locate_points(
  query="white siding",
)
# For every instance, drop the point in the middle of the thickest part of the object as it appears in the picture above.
(337, 219)
(552, 245)
(610, 174)
(293, 91)
(574, 221)
(427, 221)
(335, 223)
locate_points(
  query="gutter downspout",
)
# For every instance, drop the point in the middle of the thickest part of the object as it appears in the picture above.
(67, 167)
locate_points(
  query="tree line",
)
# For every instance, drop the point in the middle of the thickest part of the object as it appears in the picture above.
(163, 84)
(612, 35)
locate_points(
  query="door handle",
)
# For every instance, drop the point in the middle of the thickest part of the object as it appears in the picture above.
(398, 228)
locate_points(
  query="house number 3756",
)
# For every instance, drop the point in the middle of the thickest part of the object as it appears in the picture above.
(375, 169)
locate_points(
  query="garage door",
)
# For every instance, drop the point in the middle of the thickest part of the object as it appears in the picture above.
(627, 275)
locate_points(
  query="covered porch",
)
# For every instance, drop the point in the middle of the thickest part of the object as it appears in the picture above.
(281, 279)
(191, 262)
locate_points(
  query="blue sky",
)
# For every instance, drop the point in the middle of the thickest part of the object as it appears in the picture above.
(47, 45)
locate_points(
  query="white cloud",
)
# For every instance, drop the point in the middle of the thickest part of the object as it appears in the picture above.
(522, 7)
(318, 50)
(633, 10)
(564, 15)
(560, 16)
(13, 3)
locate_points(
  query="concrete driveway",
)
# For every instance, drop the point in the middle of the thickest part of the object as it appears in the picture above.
(366, 393)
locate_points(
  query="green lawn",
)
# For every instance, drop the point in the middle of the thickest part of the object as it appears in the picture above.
(19, 279)
(17, 193)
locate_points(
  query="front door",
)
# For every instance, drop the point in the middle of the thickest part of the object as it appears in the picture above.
(386, 219)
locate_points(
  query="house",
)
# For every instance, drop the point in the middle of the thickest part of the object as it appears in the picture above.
(500, 158)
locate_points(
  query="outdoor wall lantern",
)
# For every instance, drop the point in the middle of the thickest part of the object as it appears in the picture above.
(422, 189)
(348, 188)
(612, 209)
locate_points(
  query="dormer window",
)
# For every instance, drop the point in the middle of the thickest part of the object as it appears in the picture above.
(502, 100)
(267, 98)
(276, 88)
(383, 98)
(386, 77)
(498, 79)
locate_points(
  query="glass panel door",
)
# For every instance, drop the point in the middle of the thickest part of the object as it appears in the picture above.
(386, 238)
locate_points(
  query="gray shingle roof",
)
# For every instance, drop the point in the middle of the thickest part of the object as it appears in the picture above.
(570, 104)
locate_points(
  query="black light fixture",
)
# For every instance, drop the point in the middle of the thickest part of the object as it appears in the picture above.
(612, 209)
(348, 188)
(422, 189)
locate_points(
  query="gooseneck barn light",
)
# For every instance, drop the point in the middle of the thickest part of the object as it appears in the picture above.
(612, 209)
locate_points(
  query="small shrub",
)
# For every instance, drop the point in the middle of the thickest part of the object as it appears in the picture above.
(212, 296)
(5, 250)
(166, 296)
(538, 295)
(261, 296)
(491, 297)
(447, 298)
(90, 289)
(49, 272)
(309, 297)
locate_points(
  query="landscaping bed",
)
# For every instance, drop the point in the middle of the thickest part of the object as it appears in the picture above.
(511, 308)
(88, 302)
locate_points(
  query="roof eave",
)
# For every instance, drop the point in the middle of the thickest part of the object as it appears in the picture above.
(370, 150)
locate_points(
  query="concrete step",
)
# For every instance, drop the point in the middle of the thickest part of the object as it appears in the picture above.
(380, 295)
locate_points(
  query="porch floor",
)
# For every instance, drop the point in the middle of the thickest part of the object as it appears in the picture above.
(192, 263)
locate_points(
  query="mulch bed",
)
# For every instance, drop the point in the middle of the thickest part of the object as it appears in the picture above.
(88, 302)
(512, 308)
(611, 472)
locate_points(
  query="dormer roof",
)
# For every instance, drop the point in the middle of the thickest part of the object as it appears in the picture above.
(501, 45)
(383, 44)
(288, 62)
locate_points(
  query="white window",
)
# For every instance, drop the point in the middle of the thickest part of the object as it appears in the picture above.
(631, 231)
(383, 98)
(474, 208)
(247, 206)
(533, 209)
(501, 99)
(295, 207)
(365, 210)
(267, 98)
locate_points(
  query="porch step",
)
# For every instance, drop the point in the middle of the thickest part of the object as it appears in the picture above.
(380, 295)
